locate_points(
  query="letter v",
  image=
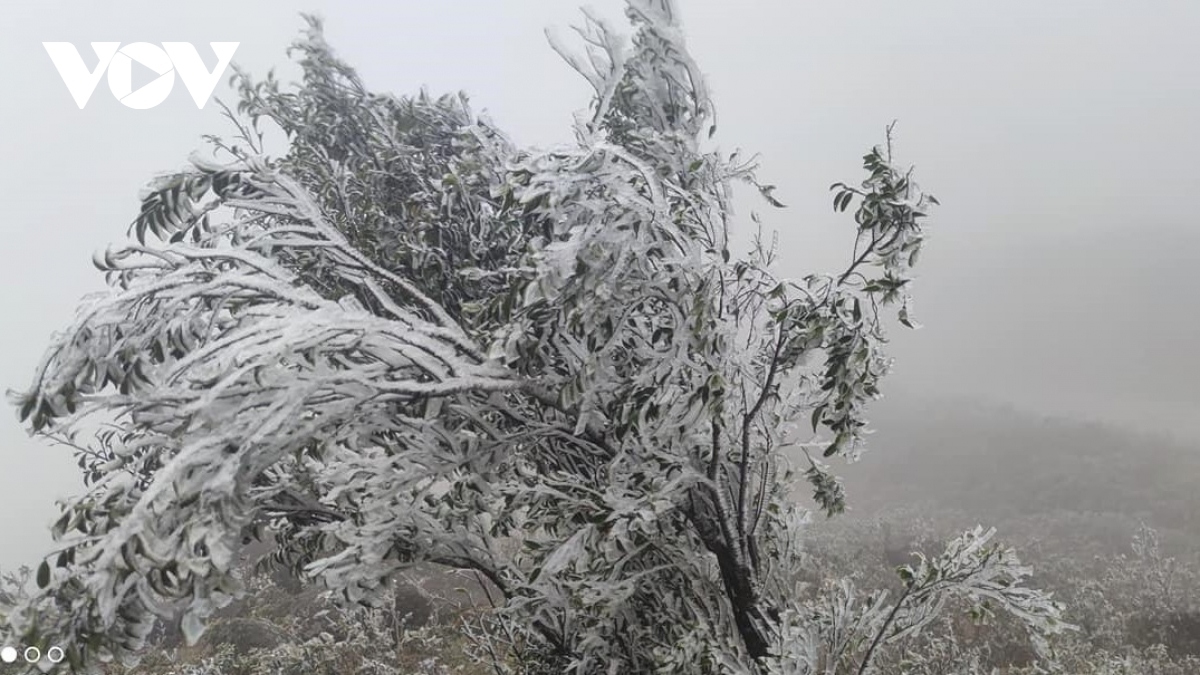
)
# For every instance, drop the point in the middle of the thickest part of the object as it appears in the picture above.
(74, 73)
(200, 83)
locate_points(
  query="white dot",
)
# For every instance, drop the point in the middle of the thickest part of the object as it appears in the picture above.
(8, 654)
(56, 654)
(32, 655)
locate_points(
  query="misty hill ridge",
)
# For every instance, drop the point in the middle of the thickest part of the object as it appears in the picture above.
(997, 465)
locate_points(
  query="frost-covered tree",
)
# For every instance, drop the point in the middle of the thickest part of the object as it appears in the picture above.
(407, 340)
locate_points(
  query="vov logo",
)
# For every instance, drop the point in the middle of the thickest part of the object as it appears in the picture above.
(171, 58)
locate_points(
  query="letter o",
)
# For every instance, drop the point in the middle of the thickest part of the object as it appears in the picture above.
(120, 75)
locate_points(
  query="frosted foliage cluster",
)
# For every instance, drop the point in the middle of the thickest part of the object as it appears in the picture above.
(409, 341)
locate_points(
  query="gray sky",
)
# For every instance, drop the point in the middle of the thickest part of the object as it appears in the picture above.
(1060, 137)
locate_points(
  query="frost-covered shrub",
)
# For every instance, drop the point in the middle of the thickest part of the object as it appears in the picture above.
(350, 640)
(408, 341)
(1131, 609)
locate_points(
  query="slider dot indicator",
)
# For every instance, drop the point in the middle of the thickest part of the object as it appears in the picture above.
(56, 654)
(32, 655)
(8, 655)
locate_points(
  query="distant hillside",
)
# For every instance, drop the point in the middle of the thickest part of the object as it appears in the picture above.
(1023, 473)
(1095, 323)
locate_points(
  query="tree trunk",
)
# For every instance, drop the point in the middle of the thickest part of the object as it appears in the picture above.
(754, 621)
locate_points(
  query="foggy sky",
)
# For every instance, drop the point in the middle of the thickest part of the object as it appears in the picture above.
(1060, 137)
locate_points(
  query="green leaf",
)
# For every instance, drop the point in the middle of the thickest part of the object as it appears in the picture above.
(43, 574)
(63, 524)
(766, 191)
(27, 407)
